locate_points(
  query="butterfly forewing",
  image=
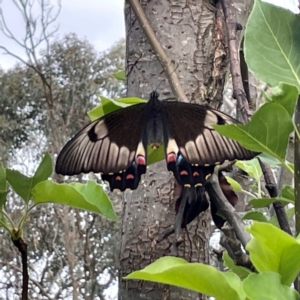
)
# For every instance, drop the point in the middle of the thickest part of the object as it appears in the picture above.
(107, 145)
(190, 125)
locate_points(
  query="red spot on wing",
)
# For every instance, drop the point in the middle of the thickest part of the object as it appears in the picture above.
(184, 172)
(129, 176)
(118, 178)
(195, 174)
(140, 160)
(171, 157)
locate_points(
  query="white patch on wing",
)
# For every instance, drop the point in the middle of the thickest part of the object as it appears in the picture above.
(123, 157)
(210, 118)
(113, 158)
(192, 152)
(101, 130)
(140, 150)
(172, 147)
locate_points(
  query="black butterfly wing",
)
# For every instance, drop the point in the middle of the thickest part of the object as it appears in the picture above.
(109, 145)
(194, 147)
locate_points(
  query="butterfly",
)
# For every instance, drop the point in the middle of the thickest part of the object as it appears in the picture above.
(115, 145)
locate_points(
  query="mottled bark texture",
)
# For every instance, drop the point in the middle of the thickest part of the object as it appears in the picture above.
(192, 34)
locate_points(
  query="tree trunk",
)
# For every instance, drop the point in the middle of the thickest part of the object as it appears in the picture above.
(194, 37)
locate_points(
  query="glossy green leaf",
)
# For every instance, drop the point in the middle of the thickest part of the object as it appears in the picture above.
(265, 202)
(268, 131)
(20, 183)
(120, 75)
(89, 196)
(255, 216)
(266, 286)
(109, 105)
(94, 194)
(271, 249)
(272, 44)
(131, 100)
(234, 184)
(242, 272)
(194, 276)
(23, 184)
(43, 171)
(285, 95)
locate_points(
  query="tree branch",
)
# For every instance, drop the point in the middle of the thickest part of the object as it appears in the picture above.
(163, 58)
(22, 247)
(271, 186)
(226, 209)
(235, 70)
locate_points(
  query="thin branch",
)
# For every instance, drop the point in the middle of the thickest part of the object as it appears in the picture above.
(235, 70)
(271, 186)
(163, 58)
(226, 209)
(22, 247)
(233, 246)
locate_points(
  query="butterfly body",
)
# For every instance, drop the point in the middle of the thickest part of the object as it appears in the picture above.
(115, 145)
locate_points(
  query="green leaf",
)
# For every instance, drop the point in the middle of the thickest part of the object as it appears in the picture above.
(285, 196)
(261, 202)
(242, 272)
(256, 216)
(94, 194)
(3, 197)
(109, 105)
(23, 185)
(268, 131)
(20, 183)
(120, 75)
(155, 155)
(271, 249)
(272, 44)
(234, 184)
(2, 178)
(266, 286)
(131, 100)
(287, 192)
(194, 276)
(43, 171)
(269, 160)
(3, 186)
(87, 196)
(286, 95)
(252, 167)
(96, 113)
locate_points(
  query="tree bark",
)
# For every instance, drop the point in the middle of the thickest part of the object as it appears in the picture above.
(193, 35)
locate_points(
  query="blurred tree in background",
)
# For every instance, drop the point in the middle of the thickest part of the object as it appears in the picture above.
(43, 101)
